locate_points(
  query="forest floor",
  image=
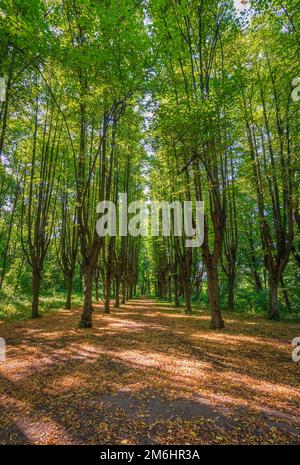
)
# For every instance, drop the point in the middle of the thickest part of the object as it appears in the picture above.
(148, 374)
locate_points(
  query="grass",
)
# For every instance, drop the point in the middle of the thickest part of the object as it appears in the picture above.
(18, 307)
(257, 310)
(14, 308)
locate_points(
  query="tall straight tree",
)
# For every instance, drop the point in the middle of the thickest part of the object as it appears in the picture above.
(39, 189)
(106, 42)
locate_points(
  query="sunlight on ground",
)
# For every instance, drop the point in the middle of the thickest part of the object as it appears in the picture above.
(157, 356)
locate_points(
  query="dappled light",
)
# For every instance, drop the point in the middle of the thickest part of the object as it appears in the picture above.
(140, 372)
(149, 223)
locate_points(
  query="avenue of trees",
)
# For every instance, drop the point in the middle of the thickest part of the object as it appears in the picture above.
(164, 100)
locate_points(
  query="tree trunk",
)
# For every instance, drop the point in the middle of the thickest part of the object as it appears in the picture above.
(230, 297)
(97, 287)
(123, 293)
(273, 298)
(257, 280)
(117, 302)
(96, 292)
(286, 296)
(107, 295)
(36, 284)
(197, 289)
(5, 113)
(170, 289)
(216, 316)
(163, 289)
(130, 291)
(86, 316)
(4, 258)
(69, 292)
(187, 298)
(176, 299)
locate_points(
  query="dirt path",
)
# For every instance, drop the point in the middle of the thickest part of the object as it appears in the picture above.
(148, 374)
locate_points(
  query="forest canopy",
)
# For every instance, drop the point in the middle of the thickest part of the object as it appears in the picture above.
(159, 99)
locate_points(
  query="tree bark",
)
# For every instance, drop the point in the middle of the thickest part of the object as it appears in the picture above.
(96, 292)
(257, 281)
(216, 316)
(123, 293)
(86, 316)
(117, 302)
(170, 288)
(107, 295)
(36, 284)
(97, 286)
(187, 298)
(176, 299)
(230, 297)
(130, 291)
(273, 298)
(69, 292)
(286, 296)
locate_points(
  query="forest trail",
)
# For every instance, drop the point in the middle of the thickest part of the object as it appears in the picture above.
(148, 374)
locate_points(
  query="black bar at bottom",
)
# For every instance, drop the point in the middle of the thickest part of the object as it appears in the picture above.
(147, 454)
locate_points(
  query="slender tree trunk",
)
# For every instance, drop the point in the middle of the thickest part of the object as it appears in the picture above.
(273, 298)
(170, 288)
(19, 275)
(81, 280)
(253, 261)
(265, 278)
(97, 287)
(130, 292)
(286, 296)
(86, 316)
(187, 298)
(107, 295)
(69, 292)
(5, 114)
(163, 287)
(96, 292)
(216, 316)
(176, 299)
(257, 281)
(36, 284)
(117, 302)
(197, 289)
(4, 259)
(123, 293)
(230, 297)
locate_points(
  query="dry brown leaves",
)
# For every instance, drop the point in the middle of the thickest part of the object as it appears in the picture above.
(148, 374)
